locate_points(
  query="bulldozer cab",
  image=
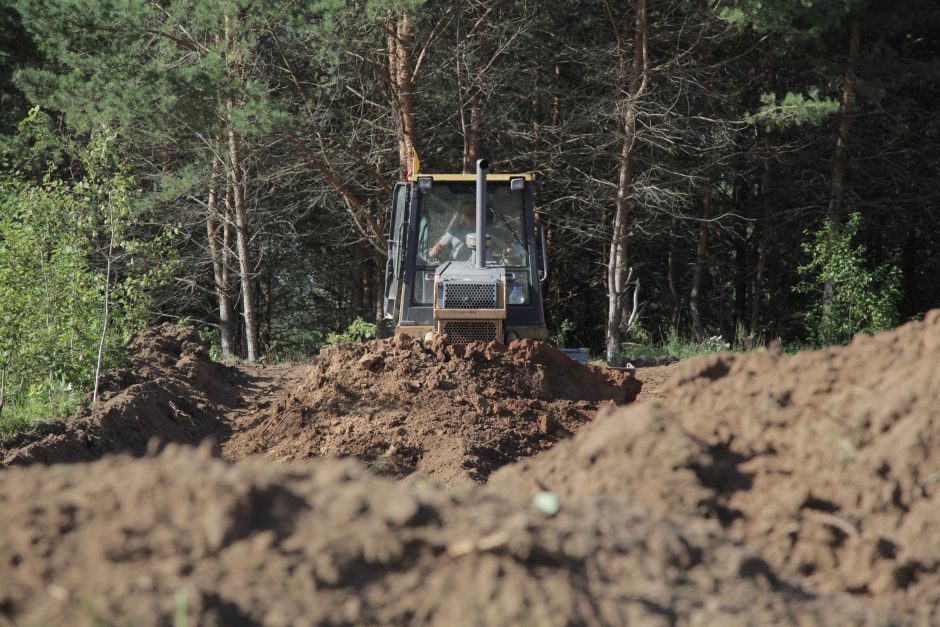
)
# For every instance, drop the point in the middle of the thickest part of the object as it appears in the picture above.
(439, 280)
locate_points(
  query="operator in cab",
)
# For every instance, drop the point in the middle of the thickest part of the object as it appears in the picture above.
(454, 237)
(463, 222)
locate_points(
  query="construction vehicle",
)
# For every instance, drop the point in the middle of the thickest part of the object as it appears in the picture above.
(466, 258)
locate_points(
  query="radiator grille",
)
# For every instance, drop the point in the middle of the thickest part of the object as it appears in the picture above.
(466, 331)
(469, 296)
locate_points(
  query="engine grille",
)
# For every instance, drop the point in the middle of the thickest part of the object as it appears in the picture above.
(466, 331)
(469, 296)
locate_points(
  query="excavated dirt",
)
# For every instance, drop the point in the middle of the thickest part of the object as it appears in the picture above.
(186, 539)
(169, 392)
(451, 414)
(750, 489)
(655, 380)
(827, 464)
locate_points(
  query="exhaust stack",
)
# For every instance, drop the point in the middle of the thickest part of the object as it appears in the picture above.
(480, 256)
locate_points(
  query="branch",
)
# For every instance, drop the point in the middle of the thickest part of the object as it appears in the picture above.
(376, 237)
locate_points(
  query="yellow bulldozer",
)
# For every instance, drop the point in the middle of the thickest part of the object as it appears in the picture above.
(466, 258)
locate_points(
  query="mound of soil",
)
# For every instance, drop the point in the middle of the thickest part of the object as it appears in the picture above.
(827, 464)
(449, 413)
(170, 391)
(182, 538)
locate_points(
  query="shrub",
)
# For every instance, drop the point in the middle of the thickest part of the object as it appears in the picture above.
(358, 331)
(850, 296)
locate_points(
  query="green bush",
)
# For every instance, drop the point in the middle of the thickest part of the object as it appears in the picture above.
(358, 331)
(861, 300)
(63, 247)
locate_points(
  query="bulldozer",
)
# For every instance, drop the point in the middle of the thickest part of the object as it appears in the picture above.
(466, 258)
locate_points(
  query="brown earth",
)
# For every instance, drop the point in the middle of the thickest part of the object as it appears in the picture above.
(186, 539)
(655, 380)
(448, 413)
(751, 489)
(169, 392)
(827, 464)
(451, 414)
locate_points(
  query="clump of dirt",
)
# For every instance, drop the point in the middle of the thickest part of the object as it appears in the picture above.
(184, 538)
(170, 391)
(827, 464)
(450, 413)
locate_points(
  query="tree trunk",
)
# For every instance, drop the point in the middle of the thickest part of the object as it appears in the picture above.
(834, 213)
(845, 124)
(358, 291)
(758, 294)
(399, 41)
(741, 247)
(698, 328)
(617, 263)
(220, 261)
(471, 142)
(241, 239)
(671, 263)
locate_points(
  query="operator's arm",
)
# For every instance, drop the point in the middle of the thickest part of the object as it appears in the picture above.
(446, 240)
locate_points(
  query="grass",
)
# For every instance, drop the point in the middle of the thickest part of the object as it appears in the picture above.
(676, 348)
(23, 412)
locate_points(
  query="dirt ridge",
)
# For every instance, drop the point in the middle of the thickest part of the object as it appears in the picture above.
(170, 391)
(448, 413)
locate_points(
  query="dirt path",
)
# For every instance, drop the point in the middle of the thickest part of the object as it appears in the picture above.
(264, 386)
(654, 378)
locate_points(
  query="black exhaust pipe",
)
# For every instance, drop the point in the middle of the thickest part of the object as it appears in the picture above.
(480, 256)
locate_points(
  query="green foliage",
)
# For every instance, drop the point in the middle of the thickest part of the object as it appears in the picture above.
(40, 402)
(675, 347)
(862, 300)
(793, 110)
(358, 331)
(564, 333)
(745, 340)
(56, 240)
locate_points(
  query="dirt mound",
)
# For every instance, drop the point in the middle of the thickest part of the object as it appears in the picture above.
(827, 464)
(170, 391)
(450, 413)
(186, 539)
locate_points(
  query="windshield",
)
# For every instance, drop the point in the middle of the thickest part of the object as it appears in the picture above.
(447, 213)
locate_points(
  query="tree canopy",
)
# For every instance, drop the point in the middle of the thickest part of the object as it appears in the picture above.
(704, 169)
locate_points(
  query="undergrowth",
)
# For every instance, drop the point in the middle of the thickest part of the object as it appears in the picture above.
(674, 347)
(25, 411)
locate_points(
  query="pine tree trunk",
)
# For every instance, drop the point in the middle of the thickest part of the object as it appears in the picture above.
(757, 295)
(241, 239)
(671, 264)
(220, 258)
(399, 41)
(471, 148)
(617, 263)
(700, 255)
(358, 291)
(741, 248)
(834, 213)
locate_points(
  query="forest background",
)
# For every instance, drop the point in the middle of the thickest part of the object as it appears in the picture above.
(720, 173)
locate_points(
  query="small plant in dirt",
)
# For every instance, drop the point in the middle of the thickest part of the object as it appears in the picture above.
(849, 296)
(358, 331)
(564, 333)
